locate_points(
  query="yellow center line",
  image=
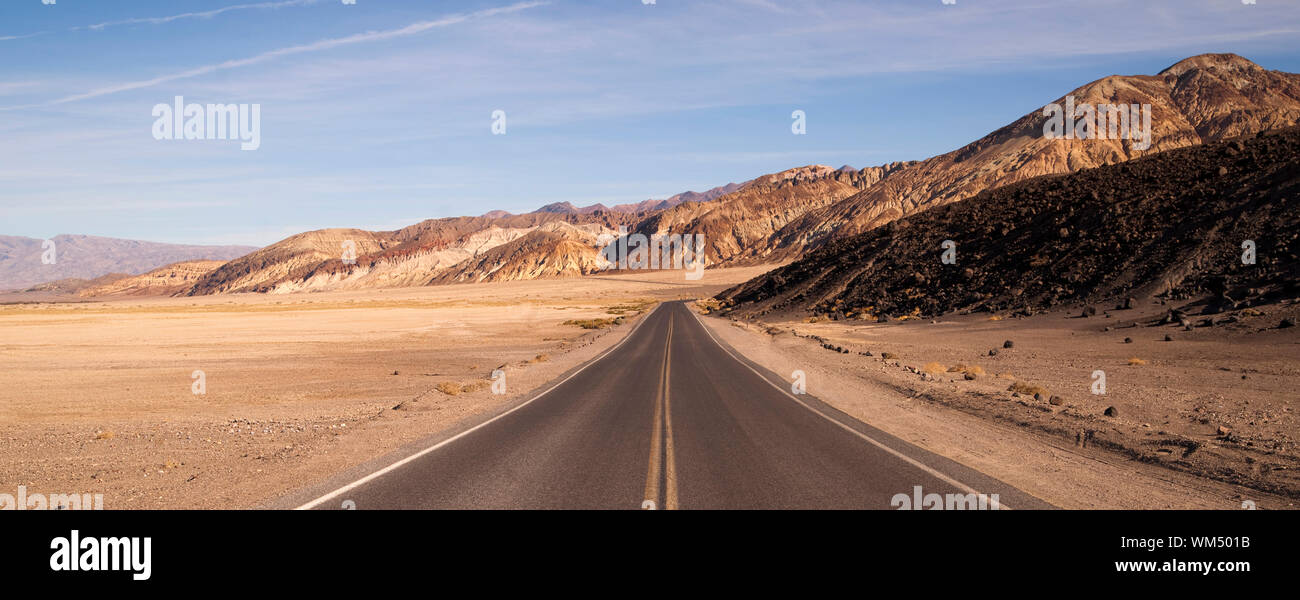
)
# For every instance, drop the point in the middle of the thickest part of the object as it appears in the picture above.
(662, 424)
(670, 478)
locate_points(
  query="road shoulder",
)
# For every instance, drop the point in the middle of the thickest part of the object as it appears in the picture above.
(1067, 477)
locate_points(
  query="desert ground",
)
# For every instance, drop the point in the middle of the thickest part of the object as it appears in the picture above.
(98, 397)
(1206, 419)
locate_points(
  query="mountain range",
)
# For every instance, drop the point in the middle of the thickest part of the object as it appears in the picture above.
(773, 219)
(77, 259)
(1219, 222)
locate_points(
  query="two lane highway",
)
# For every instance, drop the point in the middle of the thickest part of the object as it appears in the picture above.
(670, 418)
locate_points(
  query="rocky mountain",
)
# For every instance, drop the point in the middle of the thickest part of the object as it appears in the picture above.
(1201, 99)
(645, 206)
(163, 281)
(648, 206)
(1217, 223)
(776, 218)
(411, 256)
(553, 250)
(71, 286)
(744, 219)
(556, 240)
(88, 257)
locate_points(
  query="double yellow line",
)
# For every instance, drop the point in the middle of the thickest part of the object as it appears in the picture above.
(662, 465)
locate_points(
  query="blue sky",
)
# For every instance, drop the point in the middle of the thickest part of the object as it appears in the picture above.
(378, 114)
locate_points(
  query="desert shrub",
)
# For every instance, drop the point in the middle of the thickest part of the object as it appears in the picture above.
(592, 323)
(1028, 389)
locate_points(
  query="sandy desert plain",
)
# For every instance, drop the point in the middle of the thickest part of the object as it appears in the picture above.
(98, 397)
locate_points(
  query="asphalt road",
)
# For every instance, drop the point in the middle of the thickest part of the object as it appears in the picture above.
(670, 418)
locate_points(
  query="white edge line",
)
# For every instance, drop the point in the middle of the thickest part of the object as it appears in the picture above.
(400, 463)
(968, 489)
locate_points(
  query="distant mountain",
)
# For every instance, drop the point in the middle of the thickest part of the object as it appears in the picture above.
(556, 240)
(411, 256)
(645, 206)
(1170, 225)
(163, 281)
(648, 206)
(74, 285)
(775, 218)
(89, 257)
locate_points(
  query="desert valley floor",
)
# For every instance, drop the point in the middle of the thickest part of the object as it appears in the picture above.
(298, 387)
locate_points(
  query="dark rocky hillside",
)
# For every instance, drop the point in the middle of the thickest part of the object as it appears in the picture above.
(1170, 225)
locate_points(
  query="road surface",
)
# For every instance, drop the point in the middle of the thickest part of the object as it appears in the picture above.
(669, 418)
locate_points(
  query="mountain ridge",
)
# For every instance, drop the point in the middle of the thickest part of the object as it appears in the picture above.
(88, 257)
(1171, 225)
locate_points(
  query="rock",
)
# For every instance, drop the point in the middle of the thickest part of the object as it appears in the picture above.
(1169, 338)
(993, 352)
(1039, 397)
(1008, 344)
(1224, 430)
(1111, 411)
(1223, 171)
(1285, 324)
(1171, 317)
(1108, 328)
(1089, 311)
(1056, 401)
(969, 376)
(395, 372)
(1128, 340)
(1129, 303)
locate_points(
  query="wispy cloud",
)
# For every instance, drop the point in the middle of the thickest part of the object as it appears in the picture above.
(195, 15)
(5, 38)
(372, 36)
(207, 14)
